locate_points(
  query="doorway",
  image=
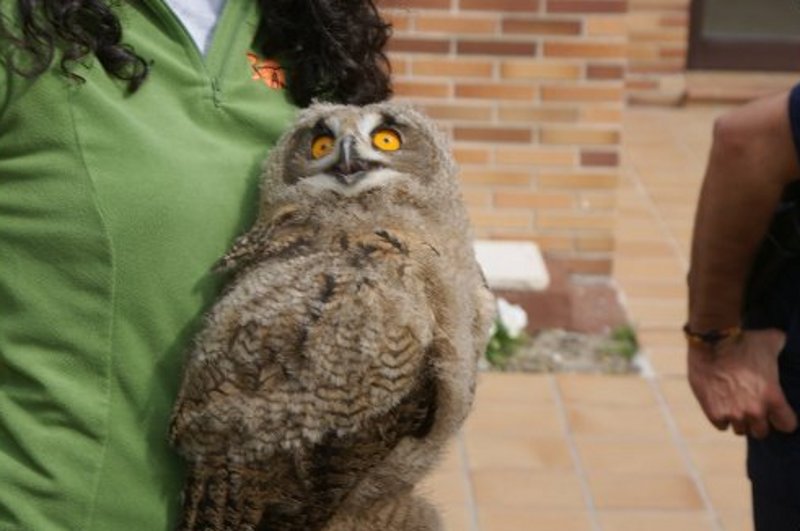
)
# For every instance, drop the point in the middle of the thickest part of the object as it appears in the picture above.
(744, 35)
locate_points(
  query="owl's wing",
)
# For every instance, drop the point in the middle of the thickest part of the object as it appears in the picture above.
(284, 232)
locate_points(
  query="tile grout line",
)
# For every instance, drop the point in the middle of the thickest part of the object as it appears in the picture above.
(645, 365)
(641, 188)
(467, 479)
(686, 457)
(644, 191)
(580, 469)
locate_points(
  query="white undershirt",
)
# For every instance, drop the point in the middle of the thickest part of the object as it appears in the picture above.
(199, 17)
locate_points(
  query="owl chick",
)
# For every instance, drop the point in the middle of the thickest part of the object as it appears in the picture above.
(342, 356)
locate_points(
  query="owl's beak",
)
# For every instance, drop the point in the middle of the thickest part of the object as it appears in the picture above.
(349, 167)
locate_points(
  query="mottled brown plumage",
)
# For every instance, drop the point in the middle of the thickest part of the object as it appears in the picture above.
(342, 356)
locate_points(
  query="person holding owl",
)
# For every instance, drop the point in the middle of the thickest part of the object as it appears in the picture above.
(131, 139)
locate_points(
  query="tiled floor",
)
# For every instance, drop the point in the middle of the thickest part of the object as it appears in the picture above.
(604, 453)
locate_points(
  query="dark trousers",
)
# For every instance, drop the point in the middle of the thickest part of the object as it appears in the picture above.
(773, 513)
(773, 463)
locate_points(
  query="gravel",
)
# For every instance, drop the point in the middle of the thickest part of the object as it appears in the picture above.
(565, 351)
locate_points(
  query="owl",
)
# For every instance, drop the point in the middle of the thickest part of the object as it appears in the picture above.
(341, 357)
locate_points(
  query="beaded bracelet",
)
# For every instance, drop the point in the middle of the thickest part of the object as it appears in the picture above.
(711, 337)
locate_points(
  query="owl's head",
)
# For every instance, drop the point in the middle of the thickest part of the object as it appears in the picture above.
(345, 151)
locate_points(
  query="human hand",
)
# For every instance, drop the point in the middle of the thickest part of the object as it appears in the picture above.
(737, 383)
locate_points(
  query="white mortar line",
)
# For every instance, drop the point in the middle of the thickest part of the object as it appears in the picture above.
(467, 479)
(694, 474)
(580, 468)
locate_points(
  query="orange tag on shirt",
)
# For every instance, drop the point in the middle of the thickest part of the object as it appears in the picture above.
(267, 70)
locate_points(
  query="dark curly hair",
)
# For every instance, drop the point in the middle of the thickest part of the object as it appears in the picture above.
(333, 49)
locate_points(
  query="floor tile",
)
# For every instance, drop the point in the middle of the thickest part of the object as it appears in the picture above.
(662, 337)
(661, 312)
(522, 489)
(503, 519)
(720, 458)
(605, 390)
(626, 491)
(656, 288)
(667, 362)
(514, 420)
(648, 268)
(736, 520)
(728, 492)
(521, 453)
(618, 423)
(694, 426)
(456, 517)
(677, 393)
(656, 521)
(444, 487)
(629, 457)
(533, 389)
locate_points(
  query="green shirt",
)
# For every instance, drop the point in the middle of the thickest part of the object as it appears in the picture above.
(113, 209)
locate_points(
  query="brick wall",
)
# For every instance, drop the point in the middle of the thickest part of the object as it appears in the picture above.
(531, 91)
(658, 34)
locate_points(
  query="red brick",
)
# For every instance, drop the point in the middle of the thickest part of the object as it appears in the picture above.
(539, 26)
(492, 134)
(662, 67)
(538, 200)
(470, 155)
(538, 114)
(445, 67)
(589, 266)
(455, 24)
(400, 44)
(642, 84)
(422, 90)
(587, 6)
(493, 176)
(495, 91)
(580, 93)
(678, 52)
(398, 66)
(601, 113)
(578, 181)
(680, 20)
(496, 48)
(580, 49)
(604, 71)
(501, 5)
(459, 112)
(599, 158)
(416, 4)
(399, 22)
(501, 219)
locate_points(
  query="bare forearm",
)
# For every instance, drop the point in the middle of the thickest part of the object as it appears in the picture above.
(751, 161)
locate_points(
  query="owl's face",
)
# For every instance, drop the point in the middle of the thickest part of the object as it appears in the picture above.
(351, 150)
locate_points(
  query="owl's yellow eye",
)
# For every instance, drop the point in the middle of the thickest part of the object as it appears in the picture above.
(386, 140)
(321, 146)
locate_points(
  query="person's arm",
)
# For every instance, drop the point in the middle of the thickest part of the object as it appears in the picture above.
(752, 159)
